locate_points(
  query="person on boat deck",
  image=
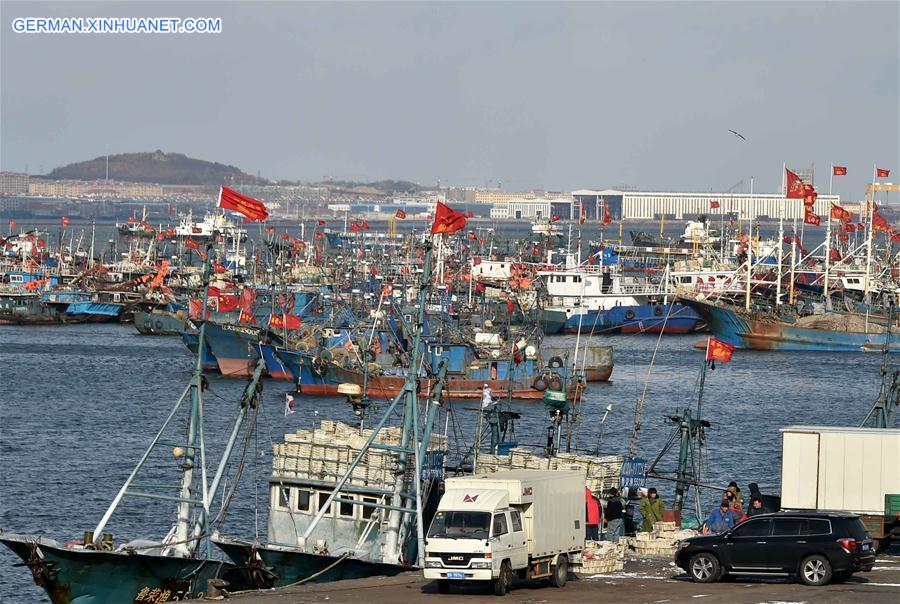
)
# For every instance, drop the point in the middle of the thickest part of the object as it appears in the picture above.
(487, 398)
(592, 515)
(652, 509)
(738, 496)
(615, 516)
(756, 507)
(720, 520)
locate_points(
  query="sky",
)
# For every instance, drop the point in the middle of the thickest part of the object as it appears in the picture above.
(554, 96)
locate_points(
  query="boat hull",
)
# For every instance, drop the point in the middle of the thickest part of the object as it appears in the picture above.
(266, 567)
(770, 333)
(77, 576)
(159, 323)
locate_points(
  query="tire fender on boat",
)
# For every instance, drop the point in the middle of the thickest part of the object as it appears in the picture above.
(539, 384)
(555, 363)
(629, 314)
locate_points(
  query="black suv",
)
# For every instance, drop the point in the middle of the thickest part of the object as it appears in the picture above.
(817, 547)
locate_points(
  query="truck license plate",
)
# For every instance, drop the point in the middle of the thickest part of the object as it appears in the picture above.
(456, 575)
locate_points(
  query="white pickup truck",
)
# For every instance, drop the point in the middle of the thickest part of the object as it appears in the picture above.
(489, 526)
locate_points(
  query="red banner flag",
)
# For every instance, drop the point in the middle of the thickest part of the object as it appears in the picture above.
(247, 317)
(714, 204)
(554, 218)
(607, 217)
(320, 222)
(400, 214)
(810, 217)
(132, 220)
(285, 321)
(191, 243)
(252, 209)
(809, 195)
(839, 170)
(794, 189)
(717, 350)
(583, 216)
(355, 228)
(848, 227)
(882, 173)
(65, 221)
(839, 213)
(365, 225)
(447, 220)
(218, 267)
(13, 224)
(834, 255)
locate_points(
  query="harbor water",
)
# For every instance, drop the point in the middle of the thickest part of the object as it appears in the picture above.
(79, 404)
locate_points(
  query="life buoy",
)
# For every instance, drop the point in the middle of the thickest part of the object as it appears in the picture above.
(658, 311)
(539, 384)
(629, 314)
(555, 363)
(326, 354)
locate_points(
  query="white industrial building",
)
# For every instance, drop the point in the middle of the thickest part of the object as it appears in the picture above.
(650, 205)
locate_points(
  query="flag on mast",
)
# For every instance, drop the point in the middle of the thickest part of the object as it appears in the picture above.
(839, 170)
(252, 209)
(717, 350)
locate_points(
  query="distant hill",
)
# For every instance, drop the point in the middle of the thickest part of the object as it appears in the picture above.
(156, 167)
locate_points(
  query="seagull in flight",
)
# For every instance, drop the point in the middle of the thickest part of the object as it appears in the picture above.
(738, 134)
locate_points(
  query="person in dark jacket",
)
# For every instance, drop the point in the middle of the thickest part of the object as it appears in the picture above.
(756, 508)
(615, 516)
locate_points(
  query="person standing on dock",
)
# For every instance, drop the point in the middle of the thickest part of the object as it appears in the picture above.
(615, 516)
(652, 509)
(720, 520)
(756, 507)
(592, 516)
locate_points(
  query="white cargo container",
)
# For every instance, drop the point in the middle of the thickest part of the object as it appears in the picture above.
(488, 526)
(841, 469)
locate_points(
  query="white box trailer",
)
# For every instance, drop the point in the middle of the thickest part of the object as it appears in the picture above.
(842, 469)
(488, 526)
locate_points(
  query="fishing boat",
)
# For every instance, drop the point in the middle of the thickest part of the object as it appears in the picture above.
(344, 502)
(179, 566)
(819, 330)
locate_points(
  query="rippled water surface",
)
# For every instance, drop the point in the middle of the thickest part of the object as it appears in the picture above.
(79, 403)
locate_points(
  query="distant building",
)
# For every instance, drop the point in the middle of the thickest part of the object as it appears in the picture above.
(94, 188)
(651, 205)
(13, 183)
(531, 209)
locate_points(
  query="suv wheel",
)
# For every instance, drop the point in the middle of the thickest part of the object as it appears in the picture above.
(560, 572)
(503, 580)
(704, 568)
(815, 570)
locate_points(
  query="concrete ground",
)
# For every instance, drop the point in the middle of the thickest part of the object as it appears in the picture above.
(650, 581)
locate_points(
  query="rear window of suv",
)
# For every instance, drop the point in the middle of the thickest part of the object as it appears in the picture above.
(818, 527)
(852, 527)
(789, 527)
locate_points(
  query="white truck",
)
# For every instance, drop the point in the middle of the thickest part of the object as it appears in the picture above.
(838, 469)
(489, 526)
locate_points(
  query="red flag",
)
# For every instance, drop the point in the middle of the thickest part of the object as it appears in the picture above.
(472, 235)
(400, 214)
(554, 218)
(810, 217)
(191, 243)
(320, 222)
(195, 308)
(160, 236)
(882, 173)
(470, 214)
(794, 188)
(842, 236)
(365, 225)
(834, 254)
(510, 305)
(65, 221)
(285, 236)
(319, 236)
(253, 209)
(270, 230)
(895, 236)
(583, 216)
(13, 224)
(607, 218)
(447, 220)
(714, 204)
(839, 213)
(839, 171)
(848, 227)
(247, 317)
(285, 321)
(717, 350)
(219, 267)
(355, 228)
(879, 222)
(132, 220)
(809, 195)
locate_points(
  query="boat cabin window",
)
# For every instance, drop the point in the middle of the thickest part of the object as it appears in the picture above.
(346, 509)
(303, 500)
(576, 279)
(322, 500)
(281, 496)
(367, 511)
(500, 527)
(16, 279)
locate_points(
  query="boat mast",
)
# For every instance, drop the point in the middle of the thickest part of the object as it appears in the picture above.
(749, 248)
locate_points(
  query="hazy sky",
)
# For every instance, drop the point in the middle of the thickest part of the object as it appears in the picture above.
(557, 96)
